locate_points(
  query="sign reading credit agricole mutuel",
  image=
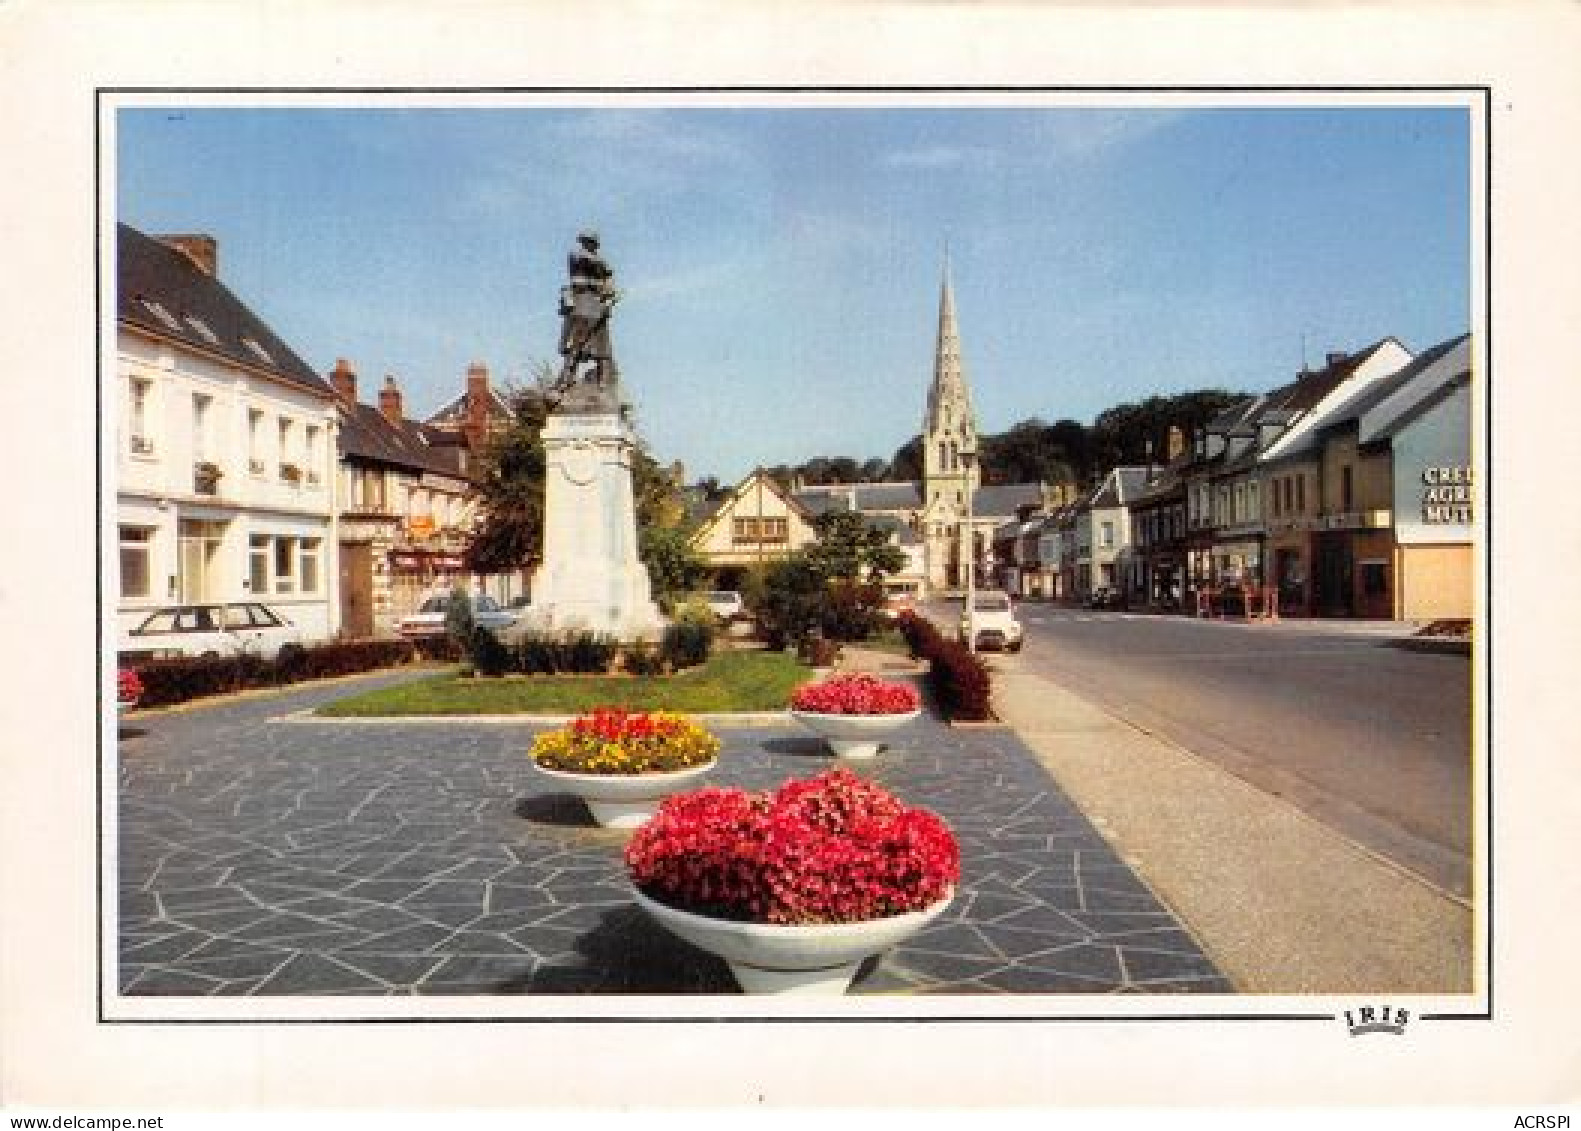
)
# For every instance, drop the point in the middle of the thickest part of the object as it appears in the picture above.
(1446, 495)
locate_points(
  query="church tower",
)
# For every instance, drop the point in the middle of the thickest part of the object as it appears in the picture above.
(949, 427)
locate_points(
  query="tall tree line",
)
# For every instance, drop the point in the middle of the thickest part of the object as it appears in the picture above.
(1036, 451)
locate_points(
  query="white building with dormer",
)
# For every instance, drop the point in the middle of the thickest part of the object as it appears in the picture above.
(224, 447)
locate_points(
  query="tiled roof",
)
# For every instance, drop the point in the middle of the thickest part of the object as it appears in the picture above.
(1372, 396)
(366, 433)
(453, 413)
(867, 496)
(1005, 498)
(151, 272)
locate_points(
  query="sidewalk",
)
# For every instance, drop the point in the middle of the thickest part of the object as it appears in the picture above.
(1279, 902)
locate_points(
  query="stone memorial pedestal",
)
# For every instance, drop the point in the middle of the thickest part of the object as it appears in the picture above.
(591, 579)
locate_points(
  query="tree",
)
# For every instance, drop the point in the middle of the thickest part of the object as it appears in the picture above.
(906, 464)
(510, 487)
(850, 548)
(674, 567)
(509, 484)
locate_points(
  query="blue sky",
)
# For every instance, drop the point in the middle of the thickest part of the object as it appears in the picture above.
(781, 266)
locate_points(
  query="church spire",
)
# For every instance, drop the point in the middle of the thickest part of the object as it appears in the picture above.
(950, 423)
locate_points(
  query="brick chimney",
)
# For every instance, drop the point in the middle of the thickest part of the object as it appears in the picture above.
(390, 401)
(203, 251)
(344, 380)
(475, 426)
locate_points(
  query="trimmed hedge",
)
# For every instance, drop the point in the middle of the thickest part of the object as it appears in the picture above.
(682, 646)
(957, 679)
(166, 682)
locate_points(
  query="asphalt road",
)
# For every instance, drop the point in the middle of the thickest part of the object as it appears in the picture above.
(1370, 738)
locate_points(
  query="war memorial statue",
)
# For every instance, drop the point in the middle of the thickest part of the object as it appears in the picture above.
(591, 578)
(588, 378)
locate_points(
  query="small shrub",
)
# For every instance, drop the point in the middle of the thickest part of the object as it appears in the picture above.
(851, 610)
(686, 645)
(489, 656)
(548, 654)
(590, 654)
(960, 683)
(459, 622)
(643, 660)
(536, 654)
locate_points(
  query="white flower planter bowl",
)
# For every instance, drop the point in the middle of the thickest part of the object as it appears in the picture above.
(854, 736)
(625, 801)
(776, 958)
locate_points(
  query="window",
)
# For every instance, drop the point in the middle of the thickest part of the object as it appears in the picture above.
(237, 616)
(262, 617)
(258, 563)
(307, 563)
(142, 443)
(136, 558)
(285, 565)
(1301, 494)
(201, 405)
(201, 328)
(255, 460)
(258, 351)
(760, 529)
(310, 453)
(164, 316)
(1346, 486)
(1107, 535)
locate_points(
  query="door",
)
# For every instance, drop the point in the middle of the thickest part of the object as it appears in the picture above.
(198, 544)
(356, 590)
(1333, 576)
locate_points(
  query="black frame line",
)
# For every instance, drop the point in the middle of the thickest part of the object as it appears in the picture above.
(1470, 91)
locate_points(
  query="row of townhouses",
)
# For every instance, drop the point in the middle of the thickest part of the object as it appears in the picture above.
(1348, 493)
(242, 474)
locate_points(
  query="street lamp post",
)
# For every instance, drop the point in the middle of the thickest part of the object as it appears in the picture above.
(968, 459)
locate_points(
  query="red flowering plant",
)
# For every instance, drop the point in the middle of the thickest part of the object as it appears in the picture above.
(830, 849)
(855, 693)
(614, 741)
(128, 688)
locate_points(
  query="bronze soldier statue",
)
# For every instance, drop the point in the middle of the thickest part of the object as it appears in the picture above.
(585, 305)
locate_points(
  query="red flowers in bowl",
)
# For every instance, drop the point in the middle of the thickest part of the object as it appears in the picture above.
(831, 849)
(855, 693)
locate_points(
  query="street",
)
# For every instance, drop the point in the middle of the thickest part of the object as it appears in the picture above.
(1335, 718)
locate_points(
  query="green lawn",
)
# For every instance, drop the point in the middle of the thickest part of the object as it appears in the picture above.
(729, 681)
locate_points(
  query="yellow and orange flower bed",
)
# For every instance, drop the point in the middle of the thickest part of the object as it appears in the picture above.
(613, 741)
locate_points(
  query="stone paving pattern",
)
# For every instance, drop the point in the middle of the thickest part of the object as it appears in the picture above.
(265, 855)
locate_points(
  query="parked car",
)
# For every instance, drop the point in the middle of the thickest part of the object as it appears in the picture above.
(991, 622)
(726, 604)
(428, 622)
(212, 630)
(128, 689)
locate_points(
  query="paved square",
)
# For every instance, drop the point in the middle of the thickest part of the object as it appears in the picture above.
(261, 854)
